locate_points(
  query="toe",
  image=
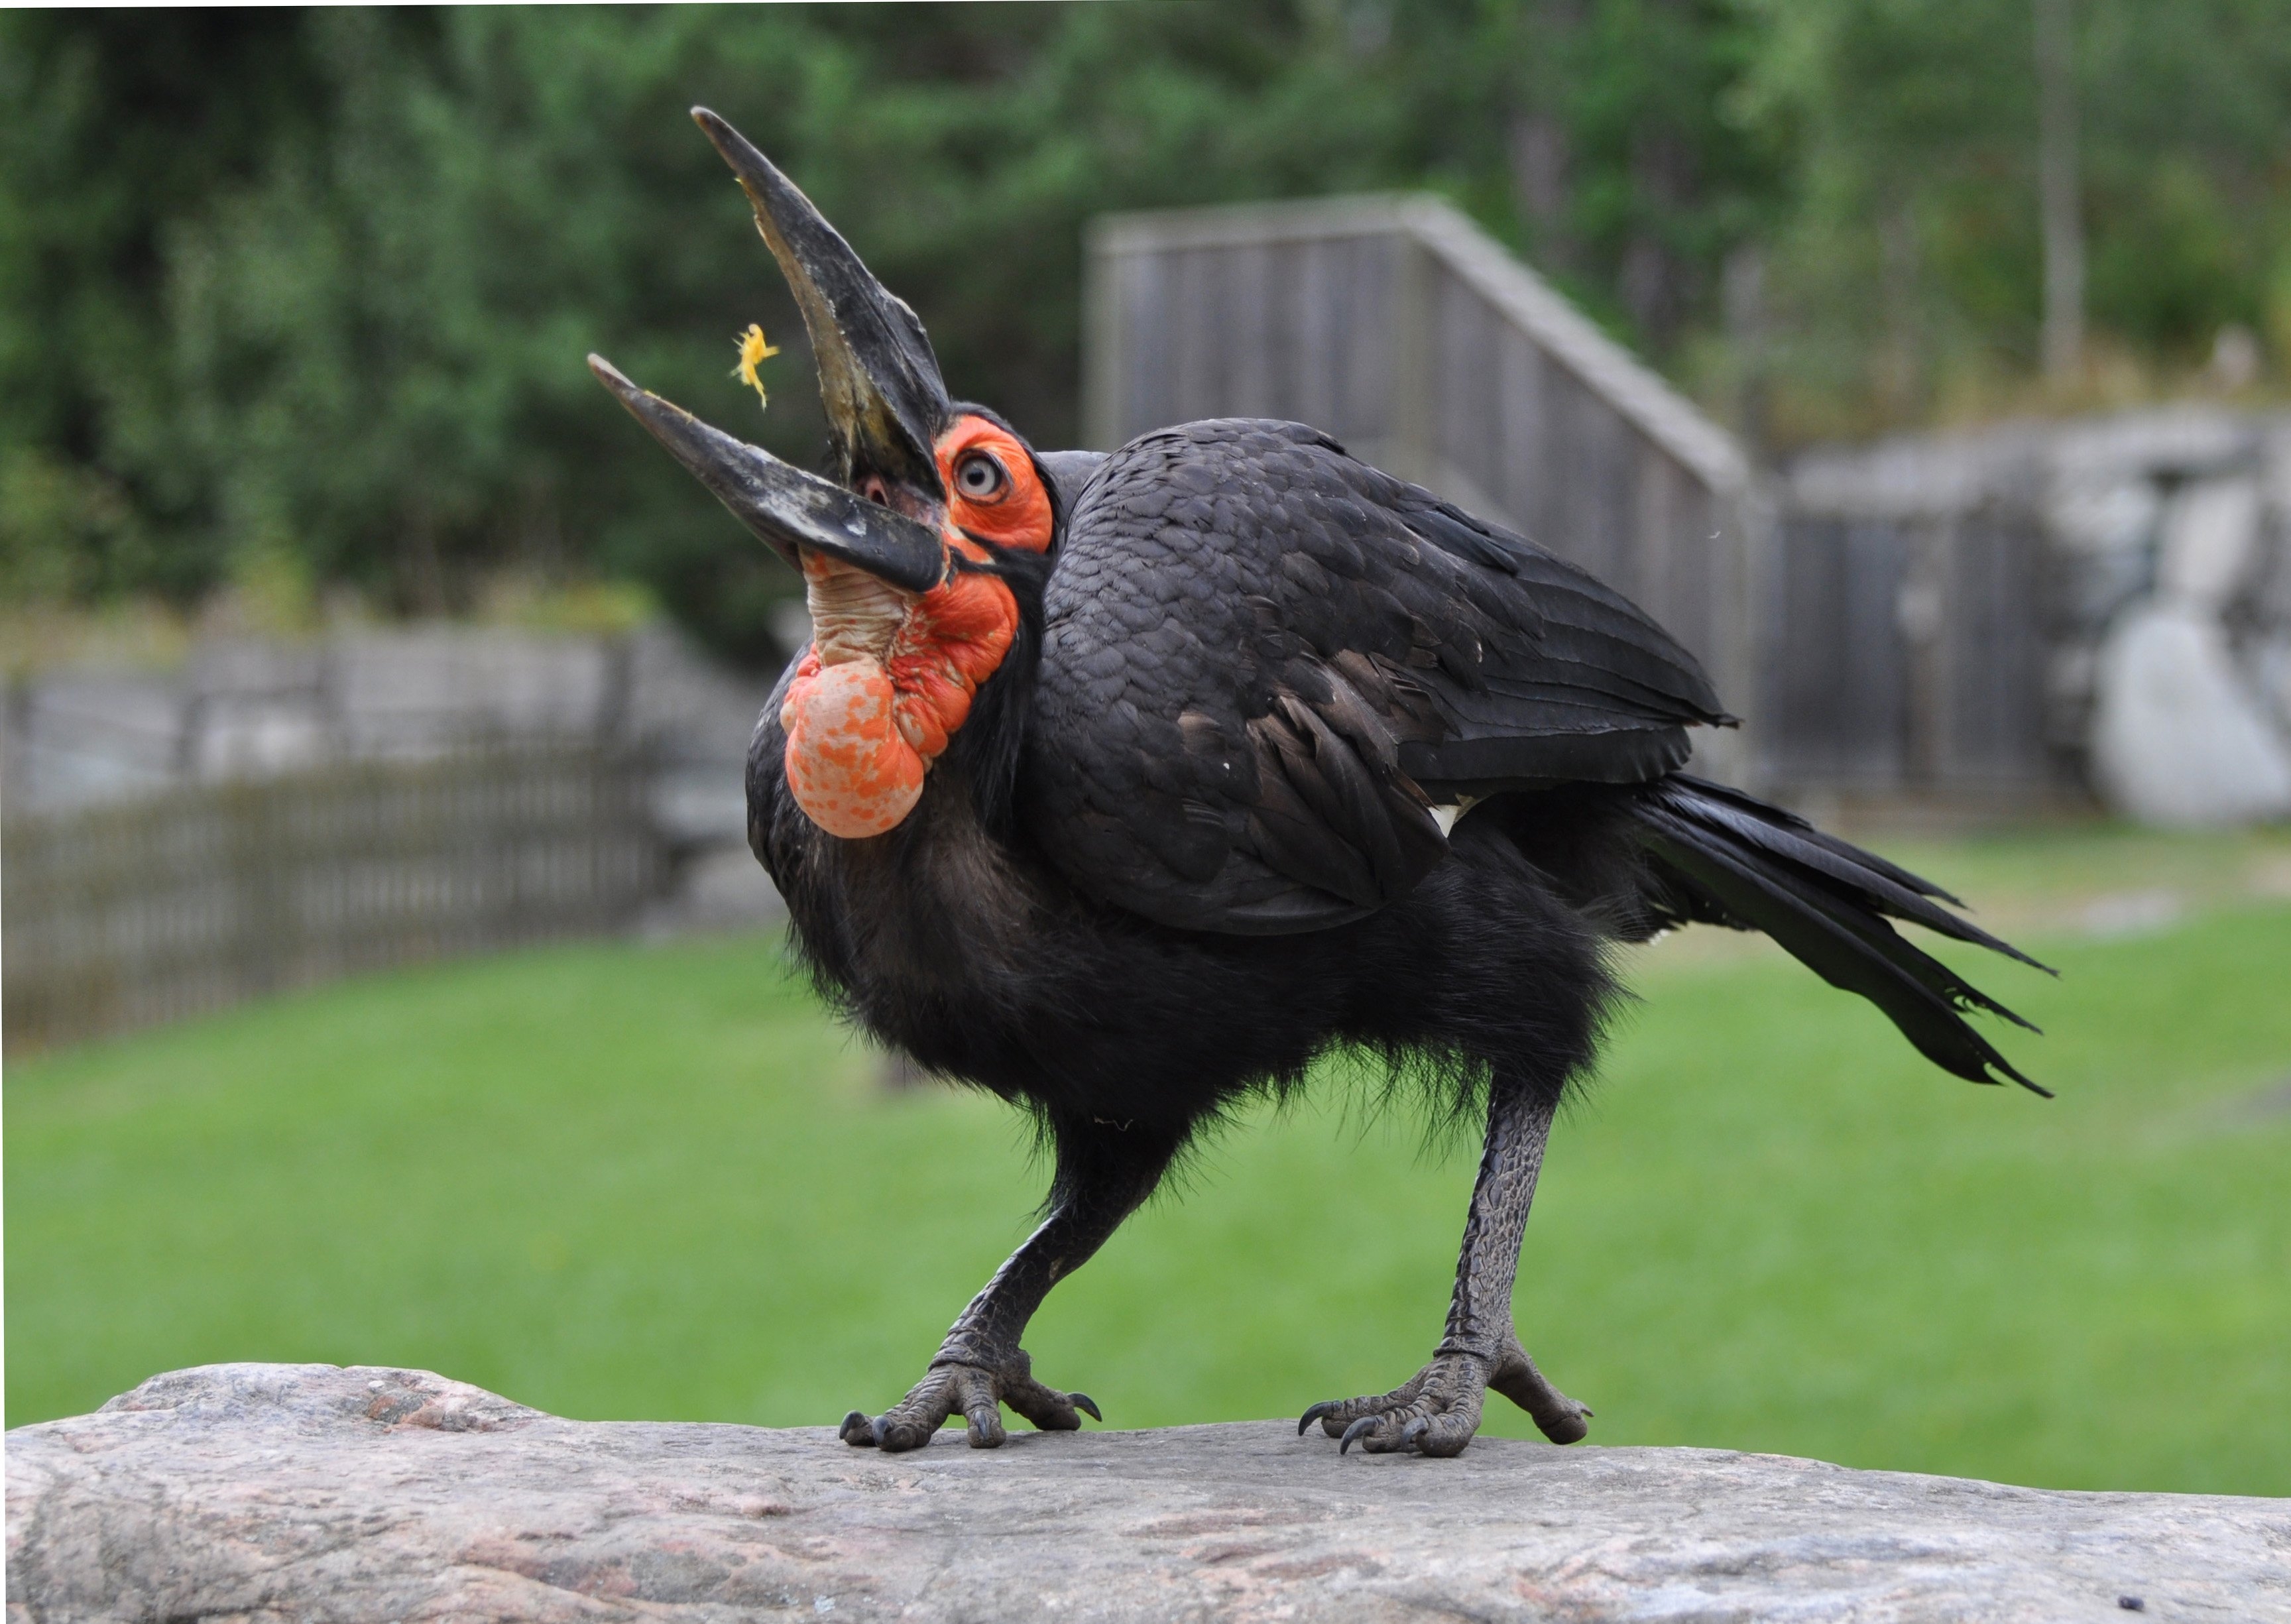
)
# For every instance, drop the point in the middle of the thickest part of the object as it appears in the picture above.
(897, 1433)
(986, 1426)
(1393, 1433)
(1558, 1417)
(1045, 1409)
(857, 1430)
(1446, 1434)
(975, 1388)
(1338, 1416)
(910, 1423)
(1565, 1427)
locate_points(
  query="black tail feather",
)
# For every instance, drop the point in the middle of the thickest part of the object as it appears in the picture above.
(1740, 862)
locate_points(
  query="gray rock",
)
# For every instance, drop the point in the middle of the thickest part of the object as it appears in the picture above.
(275, 1492)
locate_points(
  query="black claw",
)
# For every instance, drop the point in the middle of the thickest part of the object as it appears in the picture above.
(1365, 1425)
(1081, 1401)
(857, 1431)
(1314, 1414)
(877, 1428)
(1414, 1430)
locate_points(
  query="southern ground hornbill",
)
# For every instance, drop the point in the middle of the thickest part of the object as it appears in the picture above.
(1125, 786)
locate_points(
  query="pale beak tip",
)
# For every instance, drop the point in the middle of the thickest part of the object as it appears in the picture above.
(730, 144)
(614, 379)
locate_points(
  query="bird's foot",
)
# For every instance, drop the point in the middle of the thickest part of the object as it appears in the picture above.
(1437, 1410)
(975, 1392)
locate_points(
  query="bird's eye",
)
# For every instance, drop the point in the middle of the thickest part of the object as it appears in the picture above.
(979, 476)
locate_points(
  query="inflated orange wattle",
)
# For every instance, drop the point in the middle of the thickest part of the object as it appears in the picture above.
(850, 767)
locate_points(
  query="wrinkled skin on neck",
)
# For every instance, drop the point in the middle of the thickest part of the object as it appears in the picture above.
(891, 675)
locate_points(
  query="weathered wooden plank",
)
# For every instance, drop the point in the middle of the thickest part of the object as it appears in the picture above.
(1148, 361)
(1194, 322)
(1246, 344)
(1836, 680)
(1598, 486)
(1283, 341)
(1571, 509)
(1873, 719)
(1670, 572)
(1993, 629)
(1314, 324)
(1366, 338)
(1469, 410)
(1525, 480)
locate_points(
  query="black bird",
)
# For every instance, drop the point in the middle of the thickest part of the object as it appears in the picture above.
(1128, 786)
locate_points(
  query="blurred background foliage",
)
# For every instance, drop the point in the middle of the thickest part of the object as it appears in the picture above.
(300, 297)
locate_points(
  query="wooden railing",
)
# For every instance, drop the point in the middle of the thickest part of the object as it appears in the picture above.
(122, 916)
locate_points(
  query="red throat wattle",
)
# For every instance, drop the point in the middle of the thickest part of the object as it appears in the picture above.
(890, 674)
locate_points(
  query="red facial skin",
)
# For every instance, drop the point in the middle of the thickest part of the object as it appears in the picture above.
(891, 675)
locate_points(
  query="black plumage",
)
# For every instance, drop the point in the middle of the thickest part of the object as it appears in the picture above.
(1285, 755)
(1186, 845)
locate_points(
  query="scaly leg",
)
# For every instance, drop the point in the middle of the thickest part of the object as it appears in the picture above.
(1103, 1172)
(1437, 1410)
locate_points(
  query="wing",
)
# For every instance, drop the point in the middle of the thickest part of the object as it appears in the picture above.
(1263, 662)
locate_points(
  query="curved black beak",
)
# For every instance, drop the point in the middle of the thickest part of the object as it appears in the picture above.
(878, 378)
(787, 507)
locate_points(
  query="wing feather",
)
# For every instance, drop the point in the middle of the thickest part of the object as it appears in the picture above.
(1263, 662)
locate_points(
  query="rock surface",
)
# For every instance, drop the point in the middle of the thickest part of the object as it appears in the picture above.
(270, 1492)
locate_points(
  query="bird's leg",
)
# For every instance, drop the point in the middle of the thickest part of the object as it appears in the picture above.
(1437, 1410)
(1103, 1172)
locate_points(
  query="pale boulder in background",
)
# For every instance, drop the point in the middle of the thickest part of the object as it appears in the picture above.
(2178, 740)
(2181, 736)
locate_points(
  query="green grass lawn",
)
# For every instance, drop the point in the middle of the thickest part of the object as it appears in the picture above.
(619, 1180)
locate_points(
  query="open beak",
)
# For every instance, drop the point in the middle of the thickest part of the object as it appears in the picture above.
(878, 378)
(787, 507)
(878, 381)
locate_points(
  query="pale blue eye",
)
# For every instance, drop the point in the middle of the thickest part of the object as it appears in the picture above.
(978, 476)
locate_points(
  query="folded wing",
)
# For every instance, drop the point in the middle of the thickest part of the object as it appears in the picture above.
(1266, 662)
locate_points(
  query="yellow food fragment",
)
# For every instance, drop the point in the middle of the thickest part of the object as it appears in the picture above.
(753, 352)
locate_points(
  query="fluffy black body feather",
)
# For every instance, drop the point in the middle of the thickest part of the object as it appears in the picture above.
(1005, 935)
(974, 956)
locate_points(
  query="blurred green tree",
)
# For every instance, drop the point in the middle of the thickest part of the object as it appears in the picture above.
(115, 127)
(315, 286)
(363, 343)
(1908, 254)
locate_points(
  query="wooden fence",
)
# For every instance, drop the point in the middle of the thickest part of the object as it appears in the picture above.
(1908, 654)
(1400, 327)
(126, 915)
